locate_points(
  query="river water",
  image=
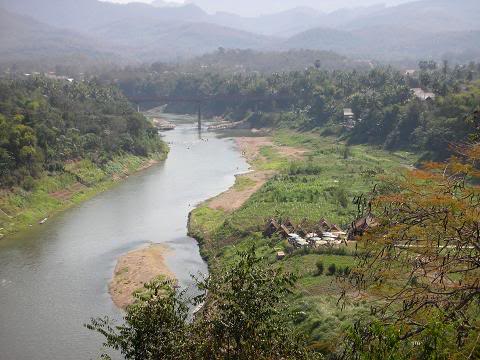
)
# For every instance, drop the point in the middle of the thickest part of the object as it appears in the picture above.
(54, 278)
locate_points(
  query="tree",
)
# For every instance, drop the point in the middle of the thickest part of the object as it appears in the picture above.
(332, 269)
(243, 316)
(155, 325)
(320, 268)
(423, 260)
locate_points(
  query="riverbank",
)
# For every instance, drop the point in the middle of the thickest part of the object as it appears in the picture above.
(313, 177)
(136, 268)
(52, 193)
(256, 151)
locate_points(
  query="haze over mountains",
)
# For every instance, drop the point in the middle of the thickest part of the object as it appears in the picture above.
(145, 33)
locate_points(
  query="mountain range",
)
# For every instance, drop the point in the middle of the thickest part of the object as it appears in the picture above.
(146, 33)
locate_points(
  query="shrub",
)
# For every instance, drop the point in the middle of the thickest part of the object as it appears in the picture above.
(28, 183)
(332, 269)
(320, 269)
(340, 251)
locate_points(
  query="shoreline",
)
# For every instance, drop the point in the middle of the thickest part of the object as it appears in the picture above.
(248, 183)
(136, 268)
(139, 266)
(44, 204)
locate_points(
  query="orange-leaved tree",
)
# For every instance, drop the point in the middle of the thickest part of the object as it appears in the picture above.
(421, 264)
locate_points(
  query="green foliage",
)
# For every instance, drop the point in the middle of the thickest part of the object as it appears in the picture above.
(303, 198)
(319, 265)
(45, 124)
(243, 183)
(243, 316)
(378, 341)
(37, 198)
(386, 113)
(332, 269)
(156, 325)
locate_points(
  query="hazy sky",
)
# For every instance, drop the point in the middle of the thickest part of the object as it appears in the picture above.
(257, 7)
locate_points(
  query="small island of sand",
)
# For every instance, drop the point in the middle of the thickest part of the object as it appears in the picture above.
(136, 268)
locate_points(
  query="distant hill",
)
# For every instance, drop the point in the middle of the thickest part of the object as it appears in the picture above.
(420, 29)
(85, 15)
(145, 32)
(414, 30)
(294, 21)
(152, 40)
(271, 61)
(387, 42)
(425, 16)
(25, 39)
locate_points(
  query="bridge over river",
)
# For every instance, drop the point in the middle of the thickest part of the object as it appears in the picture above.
(203, 99)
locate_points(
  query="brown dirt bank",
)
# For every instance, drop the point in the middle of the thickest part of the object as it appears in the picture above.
(250, 147)
(234, 198)
(135, 269)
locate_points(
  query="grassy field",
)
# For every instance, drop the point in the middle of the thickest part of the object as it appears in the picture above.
(20, 209)
(322, 185)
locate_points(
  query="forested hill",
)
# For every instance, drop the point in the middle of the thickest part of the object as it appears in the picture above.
(45, 123)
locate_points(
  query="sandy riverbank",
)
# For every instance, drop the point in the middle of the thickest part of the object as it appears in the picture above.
(140, 266)
(250, 148)
(135, 269)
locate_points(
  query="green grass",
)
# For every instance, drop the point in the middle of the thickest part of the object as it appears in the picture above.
(81, 180)
(322, 185)
(269, 159)
(243, 183)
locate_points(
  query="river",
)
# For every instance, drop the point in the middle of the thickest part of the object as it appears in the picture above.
(54, 278)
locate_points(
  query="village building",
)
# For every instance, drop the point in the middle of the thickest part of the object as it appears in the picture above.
(423, 95)
(324, 225)
(297, 241)
(271, 228)
(348, 118)
(284, 231)
(360, 226)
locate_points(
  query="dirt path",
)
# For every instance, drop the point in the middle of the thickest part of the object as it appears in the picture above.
(233, 198)
(250, 147)
(135, 269)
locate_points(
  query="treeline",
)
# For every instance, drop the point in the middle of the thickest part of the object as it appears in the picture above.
(45, 123)
(386, 111)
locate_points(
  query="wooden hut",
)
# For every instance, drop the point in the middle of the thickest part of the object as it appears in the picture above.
(289, 225)
(335, 228)
(271, 228)
(284, 231)
(361, 225)
(324, 225)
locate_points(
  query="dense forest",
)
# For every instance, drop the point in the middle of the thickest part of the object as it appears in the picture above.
(45, 123)
(386, 110)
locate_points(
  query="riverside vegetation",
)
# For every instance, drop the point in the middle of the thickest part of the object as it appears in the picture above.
(408, 291)
(62, 142)
(322, 185)
(386, 112)
(425, 304)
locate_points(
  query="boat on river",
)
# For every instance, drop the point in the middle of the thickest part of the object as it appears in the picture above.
(162, 124)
